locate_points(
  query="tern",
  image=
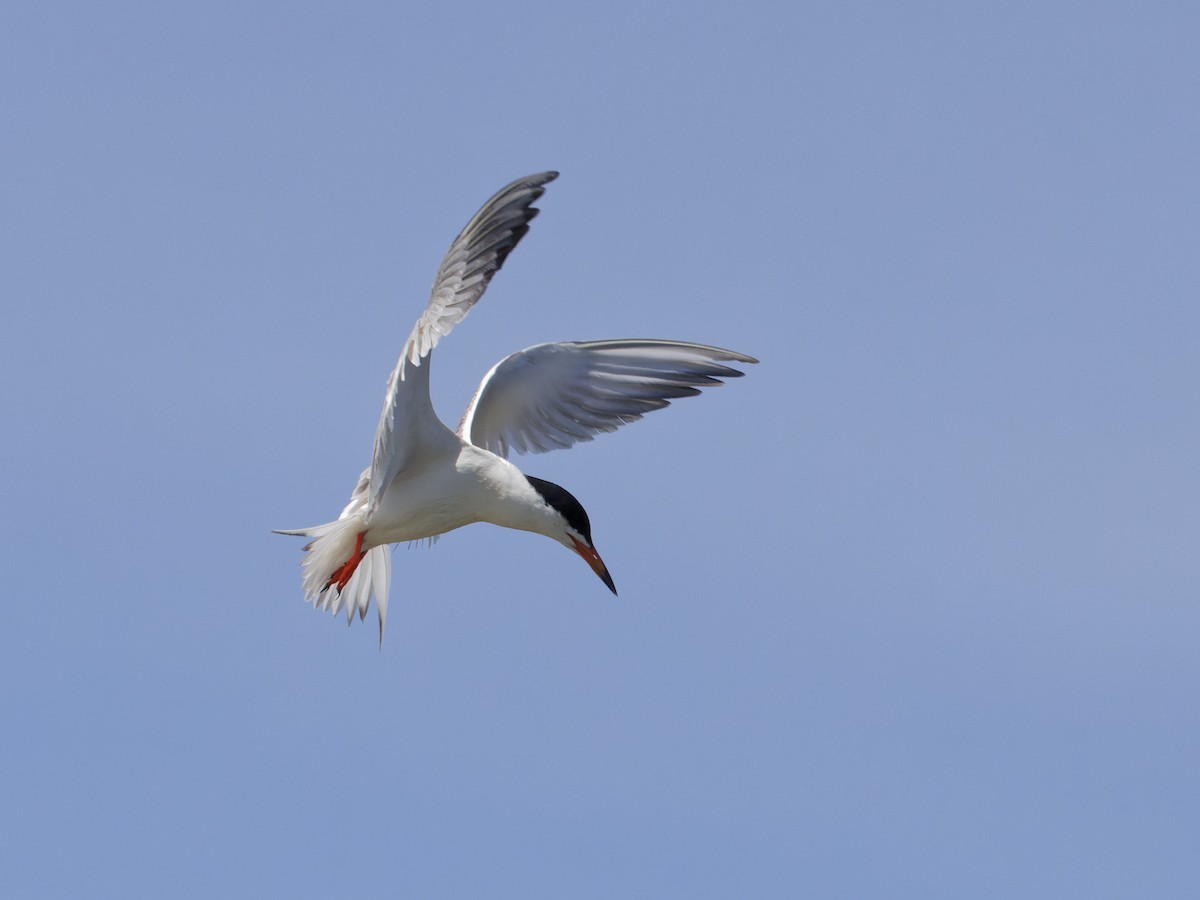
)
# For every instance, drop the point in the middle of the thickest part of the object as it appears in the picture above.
(426, 479)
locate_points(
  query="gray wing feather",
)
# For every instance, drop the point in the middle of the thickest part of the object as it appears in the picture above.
(553, 396)
(475, 256)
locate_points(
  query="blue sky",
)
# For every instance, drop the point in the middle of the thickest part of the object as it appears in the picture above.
(910, 611)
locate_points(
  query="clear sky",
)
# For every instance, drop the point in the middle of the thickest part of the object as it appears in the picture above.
(912, 610)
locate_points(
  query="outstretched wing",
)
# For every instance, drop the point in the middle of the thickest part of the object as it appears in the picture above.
(476, 255)
(552, 396)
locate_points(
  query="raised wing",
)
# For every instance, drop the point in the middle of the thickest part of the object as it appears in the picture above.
(475, 256)
(408, 419)
(552, 396)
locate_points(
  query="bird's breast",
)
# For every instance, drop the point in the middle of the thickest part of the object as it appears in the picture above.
(439, 495)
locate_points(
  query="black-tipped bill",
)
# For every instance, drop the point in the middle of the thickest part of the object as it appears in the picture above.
(592, 558)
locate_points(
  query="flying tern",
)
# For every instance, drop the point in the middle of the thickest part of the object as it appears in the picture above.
(426, 479)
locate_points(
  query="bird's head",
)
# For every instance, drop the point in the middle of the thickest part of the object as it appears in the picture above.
(570, 525)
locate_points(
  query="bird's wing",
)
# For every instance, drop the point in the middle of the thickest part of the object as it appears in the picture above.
(553, 396)
(475, 256)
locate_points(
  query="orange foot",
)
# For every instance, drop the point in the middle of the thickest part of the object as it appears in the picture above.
(341, 576)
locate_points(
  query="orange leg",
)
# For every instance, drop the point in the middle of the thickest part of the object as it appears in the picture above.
(342, 575)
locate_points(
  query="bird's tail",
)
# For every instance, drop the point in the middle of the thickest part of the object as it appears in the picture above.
(337, 574)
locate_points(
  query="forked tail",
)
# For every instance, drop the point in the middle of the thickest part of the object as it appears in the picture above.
(337, 573)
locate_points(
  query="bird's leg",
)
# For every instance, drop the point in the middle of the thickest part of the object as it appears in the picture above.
(342, 575)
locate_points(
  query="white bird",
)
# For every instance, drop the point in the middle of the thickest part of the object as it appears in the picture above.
(425, 479)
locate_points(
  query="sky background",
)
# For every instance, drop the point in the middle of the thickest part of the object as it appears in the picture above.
(912, 610)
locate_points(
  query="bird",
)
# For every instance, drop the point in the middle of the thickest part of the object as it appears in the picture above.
(426, 479)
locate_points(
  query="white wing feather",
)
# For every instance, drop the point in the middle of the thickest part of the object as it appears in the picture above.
(552, 396)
